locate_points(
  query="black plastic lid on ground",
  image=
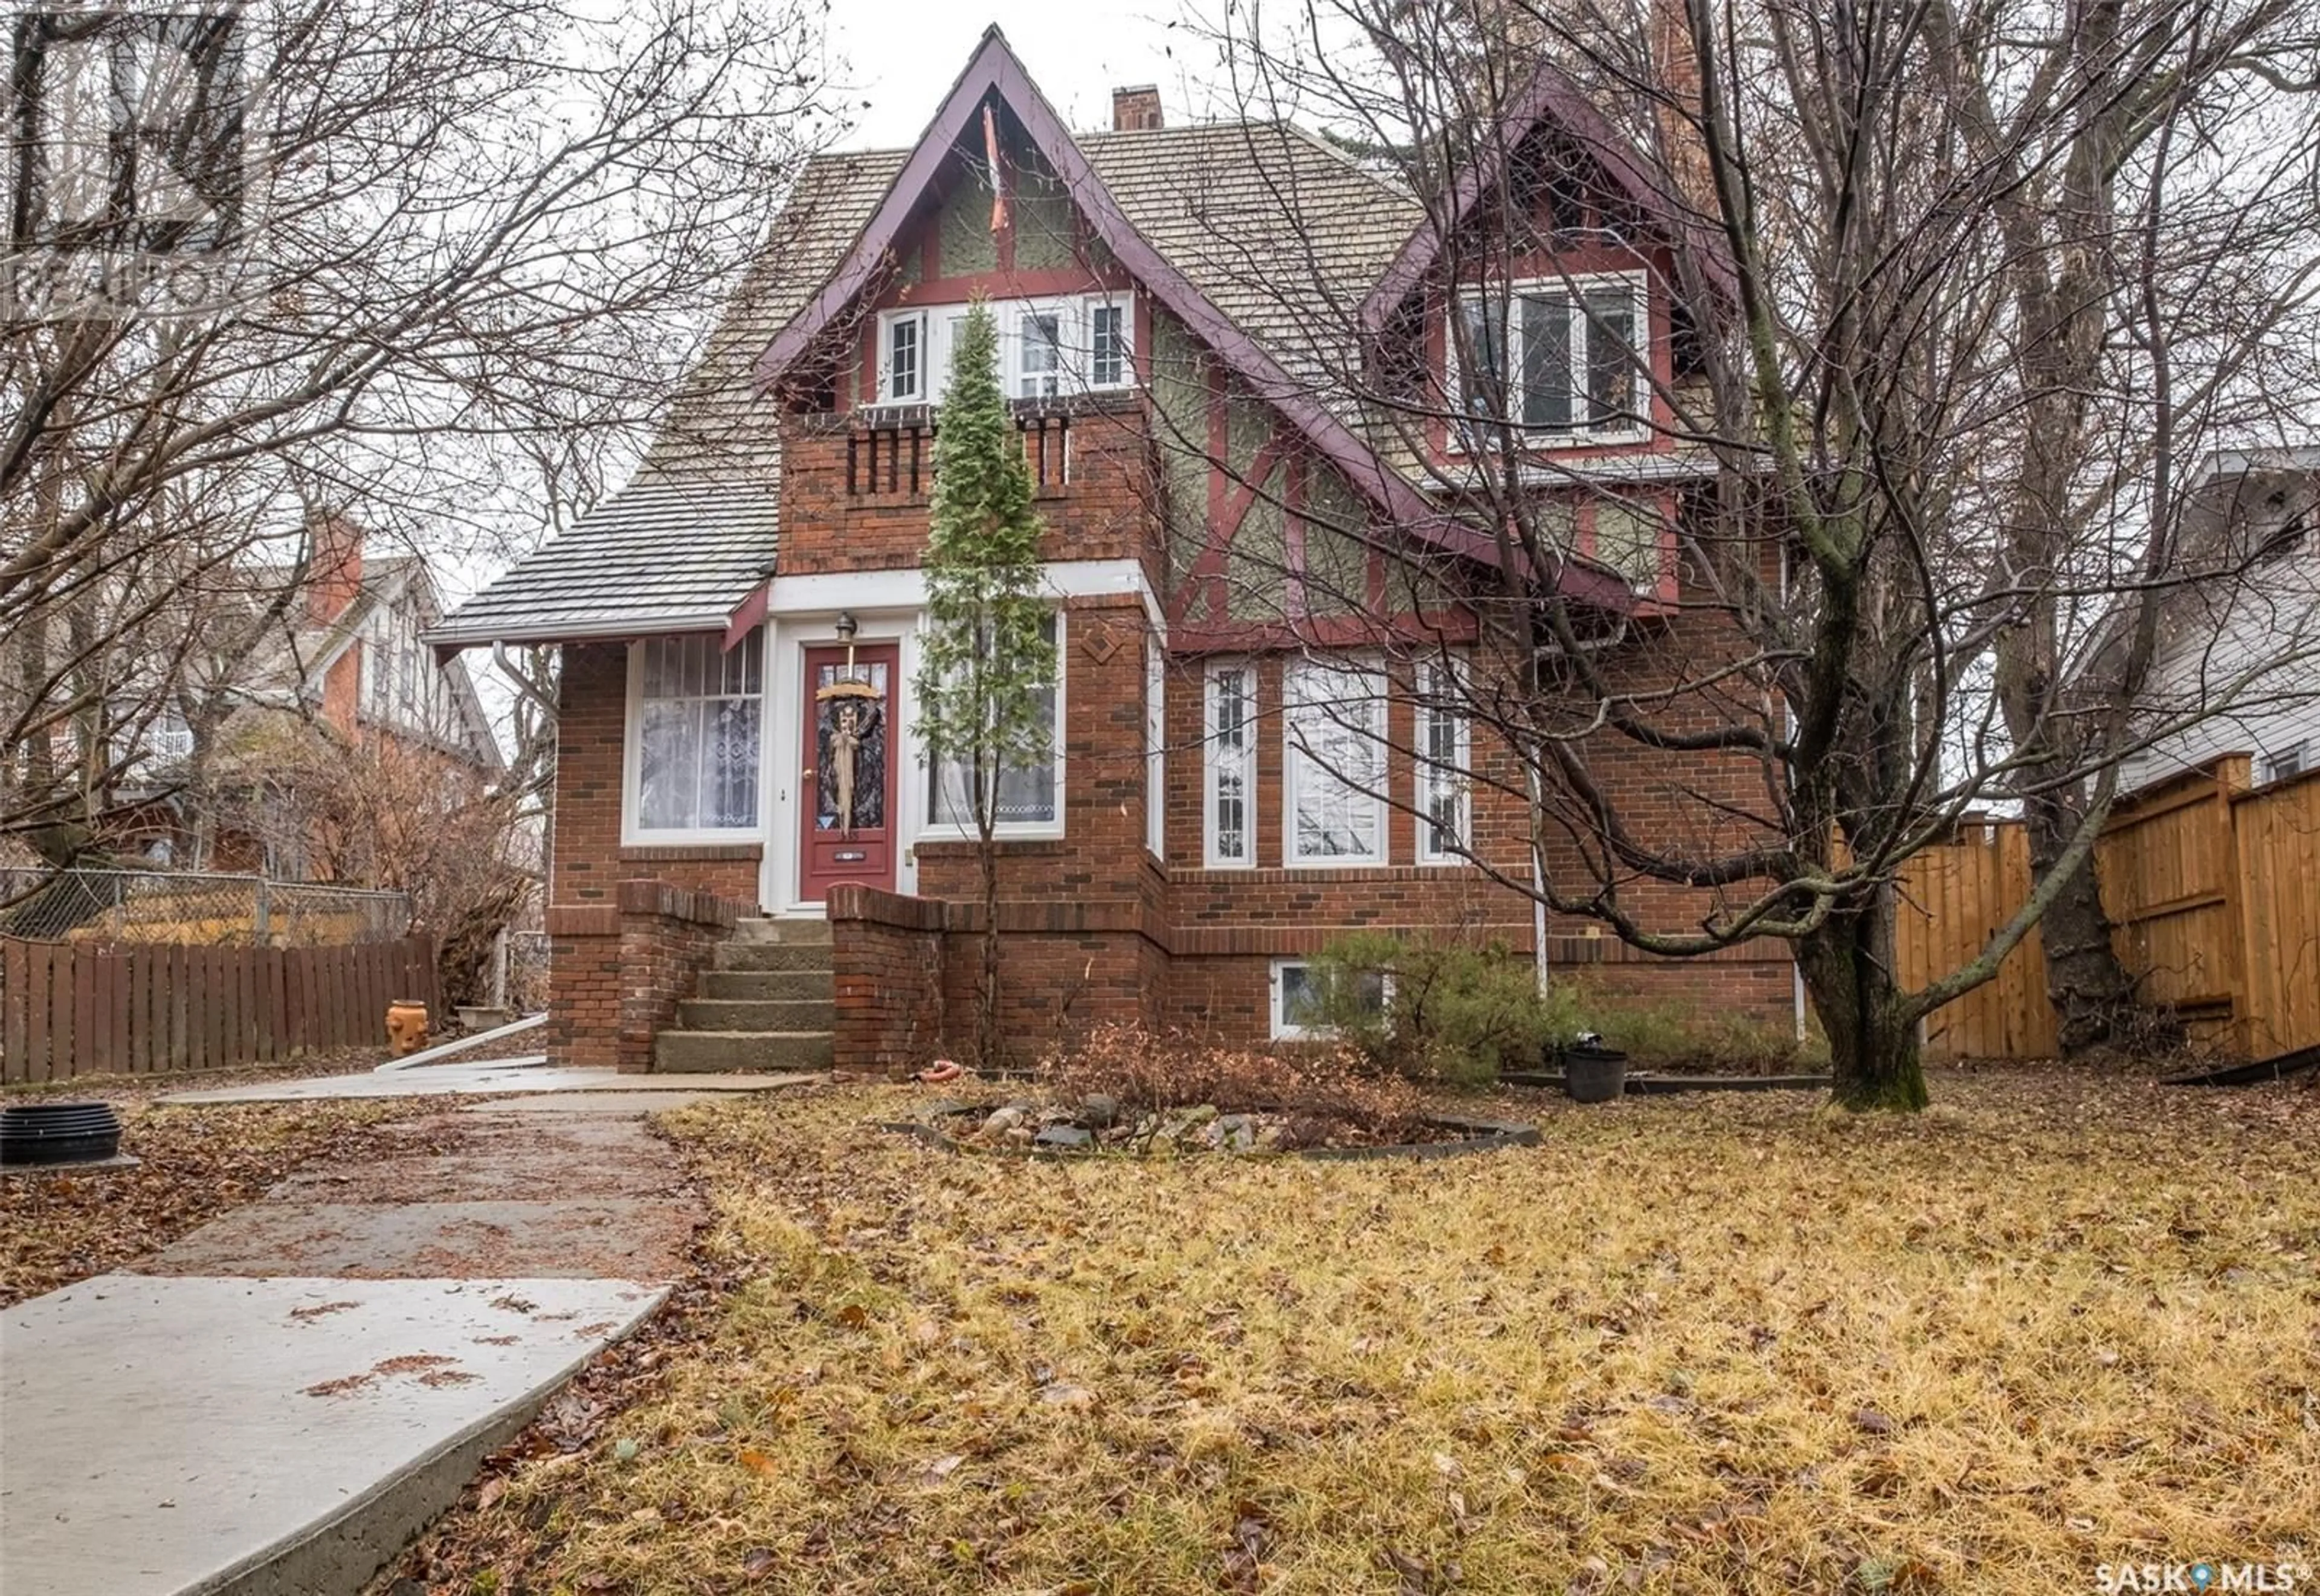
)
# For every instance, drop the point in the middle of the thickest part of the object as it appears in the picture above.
(58, 1133)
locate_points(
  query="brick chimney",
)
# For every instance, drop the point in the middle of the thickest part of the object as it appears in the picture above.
(1135, 110)
(334, 566)
(1677, 69)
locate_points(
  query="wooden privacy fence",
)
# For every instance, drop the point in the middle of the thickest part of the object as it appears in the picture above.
(2214, 894)
(70, 1008)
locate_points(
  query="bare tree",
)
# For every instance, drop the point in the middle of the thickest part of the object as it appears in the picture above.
(363, 255)
(1956, 303)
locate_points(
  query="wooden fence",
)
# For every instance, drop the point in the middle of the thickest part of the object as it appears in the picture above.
(2214, 893)
(70, 1008)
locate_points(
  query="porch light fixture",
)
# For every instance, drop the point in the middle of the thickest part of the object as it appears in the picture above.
(846, 626)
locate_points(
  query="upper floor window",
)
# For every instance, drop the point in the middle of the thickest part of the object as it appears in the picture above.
(1047, 348)
(1565, 358)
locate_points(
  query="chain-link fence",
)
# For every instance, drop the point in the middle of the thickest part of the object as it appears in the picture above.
(192, 907)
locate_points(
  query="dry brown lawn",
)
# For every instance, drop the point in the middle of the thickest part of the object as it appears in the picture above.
(1705, 1344)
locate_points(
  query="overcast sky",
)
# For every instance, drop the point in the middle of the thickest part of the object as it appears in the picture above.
(901, 57)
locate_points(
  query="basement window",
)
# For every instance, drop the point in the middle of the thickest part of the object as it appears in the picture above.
(1303, 1001)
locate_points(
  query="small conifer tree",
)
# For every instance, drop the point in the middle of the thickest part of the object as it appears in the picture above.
(988, 664)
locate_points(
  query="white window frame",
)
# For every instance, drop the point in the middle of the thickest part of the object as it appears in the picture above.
(947, 831)
(2289, 762)
(1215, 761)
(1076, 330)
(1295, 760)
(1283, 1028)
(1156, 748)
(1433, 780)
(634, 833)
(1578, 434)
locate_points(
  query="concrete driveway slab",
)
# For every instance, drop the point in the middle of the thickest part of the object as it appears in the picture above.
(327, 1421)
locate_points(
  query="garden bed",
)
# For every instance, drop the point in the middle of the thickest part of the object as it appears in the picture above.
(1024, 1127)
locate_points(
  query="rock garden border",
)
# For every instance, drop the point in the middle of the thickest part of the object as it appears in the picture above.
(1474, 1134)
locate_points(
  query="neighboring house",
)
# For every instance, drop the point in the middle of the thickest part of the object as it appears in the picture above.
(2238, 665)
(344, 662)
(1161, 293)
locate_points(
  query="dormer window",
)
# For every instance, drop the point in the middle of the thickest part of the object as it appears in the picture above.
(1562, 359)
(1048, 348)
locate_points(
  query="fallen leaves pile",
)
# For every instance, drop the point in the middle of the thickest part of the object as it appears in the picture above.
(1729, 1343)
(197, 1162)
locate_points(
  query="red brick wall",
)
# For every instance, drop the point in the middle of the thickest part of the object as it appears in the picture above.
(888, 953)
(590, 861)
(1101, 514)
(618, 970)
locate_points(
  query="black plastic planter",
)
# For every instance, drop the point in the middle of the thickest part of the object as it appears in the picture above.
(1594, 1074)
(50, 1133)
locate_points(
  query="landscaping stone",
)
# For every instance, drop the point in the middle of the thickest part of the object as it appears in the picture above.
(1067, 1137)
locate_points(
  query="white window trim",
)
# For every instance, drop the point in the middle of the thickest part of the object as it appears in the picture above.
(1076, 330)
(1293, 757)
(935, 830)
(1577, 286)
(1282, 1029)
(1155, 748)
(1429, 772)
(634, 835)
(1212, 762)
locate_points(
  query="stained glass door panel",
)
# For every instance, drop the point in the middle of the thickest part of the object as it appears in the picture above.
(847, 780)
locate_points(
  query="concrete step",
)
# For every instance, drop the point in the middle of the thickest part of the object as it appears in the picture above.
(805, 1013)
(712, 1051)
(766, 987)
(787, 931)
(772, 956)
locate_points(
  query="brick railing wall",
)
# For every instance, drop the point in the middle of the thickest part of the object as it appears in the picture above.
(619, 969)
(887, 951)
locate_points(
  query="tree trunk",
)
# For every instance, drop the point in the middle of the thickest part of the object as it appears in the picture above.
(1872, 1041)
(986, 997)
(2092, 994)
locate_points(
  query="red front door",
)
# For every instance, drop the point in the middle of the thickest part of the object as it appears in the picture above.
(848, 775)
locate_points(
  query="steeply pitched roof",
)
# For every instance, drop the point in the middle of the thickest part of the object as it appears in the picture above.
(1551, 97)
(1263, 237)
(697, 527)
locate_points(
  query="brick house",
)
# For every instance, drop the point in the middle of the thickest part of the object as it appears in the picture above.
(1251, 585)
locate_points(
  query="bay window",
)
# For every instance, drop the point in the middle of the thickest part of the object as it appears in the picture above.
(1026, 798)
(1333, 768)
(1562, 357)
(1444, 747)
(1047, 348)
(1228, 768)
(696, 709)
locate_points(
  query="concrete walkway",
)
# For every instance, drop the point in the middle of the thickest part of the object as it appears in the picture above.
(484, 1076)
(276, 1403)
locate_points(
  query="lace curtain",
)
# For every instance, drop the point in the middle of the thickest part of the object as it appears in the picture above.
(698, 742)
